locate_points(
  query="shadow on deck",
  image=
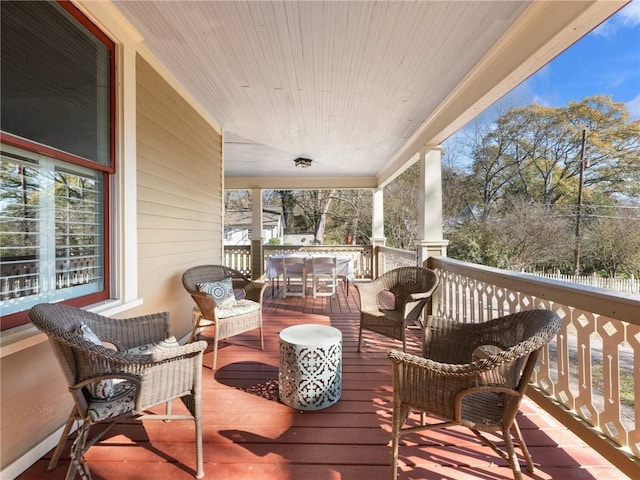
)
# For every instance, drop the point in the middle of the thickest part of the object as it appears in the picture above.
(249, 434)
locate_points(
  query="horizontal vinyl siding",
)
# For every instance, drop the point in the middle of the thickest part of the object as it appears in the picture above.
(35, 401)
(179, 195)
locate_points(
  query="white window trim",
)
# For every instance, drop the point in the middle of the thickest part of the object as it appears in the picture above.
(124, 248)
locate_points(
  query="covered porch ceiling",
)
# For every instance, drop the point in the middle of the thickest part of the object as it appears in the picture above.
(358, 86)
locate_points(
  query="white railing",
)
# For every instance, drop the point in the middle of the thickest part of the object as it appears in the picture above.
(587, 377)
(239, 257)
(625, 285)
(390, 258)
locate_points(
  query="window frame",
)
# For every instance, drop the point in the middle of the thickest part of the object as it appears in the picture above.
(21, 318)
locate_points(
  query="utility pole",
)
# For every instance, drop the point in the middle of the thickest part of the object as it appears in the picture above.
(576, 270)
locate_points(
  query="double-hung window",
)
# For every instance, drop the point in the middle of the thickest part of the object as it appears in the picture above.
(57, 146)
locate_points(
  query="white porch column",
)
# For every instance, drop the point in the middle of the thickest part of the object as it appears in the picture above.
(430, 241)
(377, 228)
(377, 220)
(257, 265)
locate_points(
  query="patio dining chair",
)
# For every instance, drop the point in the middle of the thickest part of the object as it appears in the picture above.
(471, 374)
(411, 289)
(324, 273)
(226, 300)
(117, 368)
(294, 276)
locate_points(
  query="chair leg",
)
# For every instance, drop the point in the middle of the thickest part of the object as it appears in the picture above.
(53, 463)
(395, 438)
(195, 320)
(523, 446)
(215, 353)
(78, 464)
(198, 427)
(400, 414)
(261, 339)
(513, 458)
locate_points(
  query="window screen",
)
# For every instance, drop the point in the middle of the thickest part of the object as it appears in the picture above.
(55, 80)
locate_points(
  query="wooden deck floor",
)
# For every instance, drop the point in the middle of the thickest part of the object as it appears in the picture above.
(249, 434)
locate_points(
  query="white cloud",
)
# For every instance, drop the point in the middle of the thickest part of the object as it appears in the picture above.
(634, 107)
(629, 17)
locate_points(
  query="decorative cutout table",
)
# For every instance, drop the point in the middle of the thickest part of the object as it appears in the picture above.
(310, 376)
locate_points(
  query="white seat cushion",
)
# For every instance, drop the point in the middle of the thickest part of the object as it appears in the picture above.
(238, 307)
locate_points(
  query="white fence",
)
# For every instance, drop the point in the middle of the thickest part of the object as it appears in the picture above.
(624, 285)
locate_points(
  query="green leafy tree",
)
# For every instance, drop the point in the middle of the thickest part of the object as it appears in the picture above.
(612, 242)
(535, 152)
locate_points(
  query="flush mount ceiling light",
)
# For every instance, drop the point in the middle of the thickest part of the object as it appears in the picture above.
(302, 162)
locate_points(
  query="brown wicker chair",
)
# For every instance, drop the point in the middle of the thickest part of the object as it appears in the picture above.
(411, 288)
(130, 382)
(226, 321)
(473, 375)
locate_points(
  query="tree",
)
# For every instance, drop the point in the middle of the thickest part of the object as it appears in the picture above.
(350, 217)
(401, 210)
(520, 237)
(535, 152)
(305, 211)
(612, 242)
(287, 202)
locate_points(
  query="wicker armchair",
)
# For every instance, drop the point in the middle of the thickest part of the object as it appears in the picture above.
(242, 314)
(473, 375)
(411, 287)
(110, 377)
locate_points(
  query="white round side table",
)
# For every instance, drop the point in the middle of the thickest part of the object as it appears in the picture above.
(310, 375)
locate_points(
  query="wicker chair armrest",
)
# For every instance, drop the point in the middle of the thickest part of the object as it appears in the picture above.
(133, 331)
(98, 360)
(206, 303)
(411, 362)
(254, 290)
(159, 356)
(368, 293)
(417, 296)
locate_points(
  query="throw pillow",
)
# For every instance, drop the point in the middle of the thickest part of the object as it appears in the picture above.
(103, 388)
(149, 348)
(221, 291)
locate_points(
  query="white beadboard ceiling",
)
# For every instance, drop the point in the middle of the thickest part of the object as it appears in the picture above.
(357, 86)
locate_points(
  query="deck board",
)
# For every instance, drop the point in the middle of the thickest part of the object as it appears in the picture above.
(249, 434)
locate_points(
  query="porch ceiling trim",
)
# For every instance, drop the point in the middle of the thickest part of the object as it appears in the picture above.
(542, 33)
(298, 183)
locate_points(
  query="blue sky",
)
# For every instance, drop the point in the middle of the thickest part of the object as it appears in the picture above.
(606, 61)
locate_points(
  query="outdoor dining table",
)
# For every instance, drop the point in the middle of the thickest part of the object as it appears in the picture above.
(344, 266)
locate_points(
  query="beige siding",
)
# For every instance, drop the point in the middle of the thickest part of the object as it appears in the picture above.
(179, 212)
(35, 400)
(179, 195)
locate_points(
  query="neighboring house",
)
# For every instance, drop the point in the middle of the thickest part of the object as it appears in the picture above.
(237, 226)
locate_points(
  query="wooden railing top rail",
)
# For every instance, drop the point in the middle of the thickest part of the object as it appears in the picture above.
(619, 306)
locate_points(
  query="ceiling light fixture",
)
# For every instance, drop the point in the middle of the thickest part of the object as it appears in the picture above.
(302, 162)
